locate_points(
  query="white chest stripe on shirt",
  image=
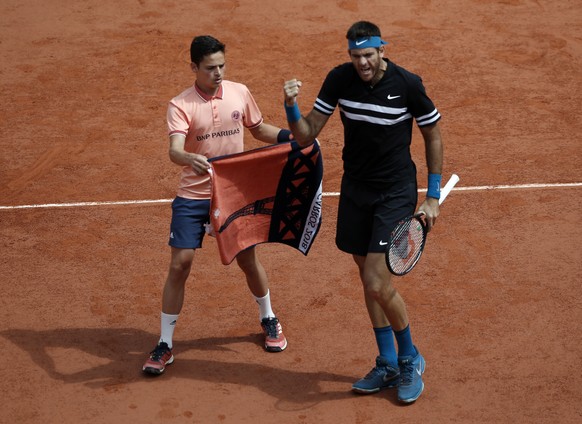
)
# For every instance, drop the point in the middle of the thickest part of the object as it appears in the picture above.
(403, 112)
(376, 120)
(373, 107)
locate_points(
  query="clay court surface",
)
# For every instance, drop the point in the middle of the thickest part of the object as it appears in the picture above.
(495, 302)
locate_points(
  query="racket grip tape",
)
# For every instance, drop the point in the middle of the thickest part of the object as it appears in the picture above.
(448, 187)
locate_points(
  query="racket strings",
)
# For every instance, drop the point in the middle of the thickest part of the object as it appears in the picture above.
(406, 246)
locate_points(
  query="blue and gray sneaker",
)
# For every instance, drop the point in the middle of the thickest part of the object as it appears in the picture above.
(382, 376)
(411, 370)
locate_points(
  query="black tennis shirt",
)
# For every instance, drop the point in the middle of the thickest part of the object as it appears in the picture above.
(377, 121)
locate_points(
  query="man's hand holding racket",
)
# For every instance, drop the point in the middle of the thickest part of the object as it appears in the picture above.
(429, 211)
(408, 238)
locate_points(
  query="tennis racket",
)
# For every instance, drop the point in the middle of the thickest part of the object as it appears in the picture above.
(408, 238)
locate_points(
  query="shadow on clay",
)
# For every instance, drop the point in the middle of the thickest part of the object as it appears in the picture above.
(110, 358)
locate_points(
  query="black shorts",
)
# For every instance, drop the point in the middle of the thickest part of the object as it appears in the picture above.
(366, 217)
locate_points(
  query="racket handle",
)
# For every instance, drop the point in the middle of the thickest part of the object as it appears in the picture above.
(448, 187)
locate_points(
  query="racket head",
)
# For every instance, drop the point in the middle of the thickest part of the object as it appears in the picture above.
(406, 244)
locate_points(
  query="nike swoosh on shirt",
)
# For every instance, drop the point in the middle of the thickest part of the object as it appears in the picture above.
(392, 97)
(383, 243)
(359, 43)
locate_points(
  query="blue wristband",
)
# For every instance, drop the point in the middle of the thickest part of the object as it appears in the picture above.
(293, 114)
(283, 136)
(434, 186)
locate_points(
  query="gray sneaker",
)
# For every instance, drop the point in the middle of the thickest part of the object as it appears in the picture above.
(382, 376)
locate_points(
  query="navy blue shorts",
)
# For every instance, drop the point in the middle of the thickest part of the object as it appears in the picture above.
(188, 219)
(366, 217)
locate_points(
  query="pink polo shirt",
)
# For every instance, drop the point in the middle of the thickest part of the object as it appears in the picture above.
(213, 126)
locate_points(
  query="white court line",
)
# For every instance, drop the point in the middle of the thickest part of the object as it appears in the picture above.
(82, 204)
(496, 187)
(325, 194)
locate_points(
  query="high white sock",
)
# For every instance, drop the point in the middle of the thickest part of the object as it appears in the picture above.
(168, 325)
(264, 303)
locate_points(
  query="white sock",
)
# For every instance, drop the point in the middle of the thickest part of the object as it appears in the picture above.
(264, 303)
(168, 325)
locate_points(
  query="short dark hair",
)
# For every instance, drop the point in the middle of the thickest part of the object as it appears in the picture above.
(203, 45)
(363, 29)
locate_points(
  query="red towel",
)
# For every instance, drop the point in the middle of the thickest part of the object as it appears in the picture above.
(270, 194)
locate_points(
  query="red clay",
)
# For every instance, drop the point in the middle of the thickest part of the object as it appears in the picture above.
(495, 301)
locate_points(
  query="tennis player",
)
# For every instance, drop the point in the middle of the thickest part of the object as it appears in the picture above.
(205, 121)
(378, 101)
